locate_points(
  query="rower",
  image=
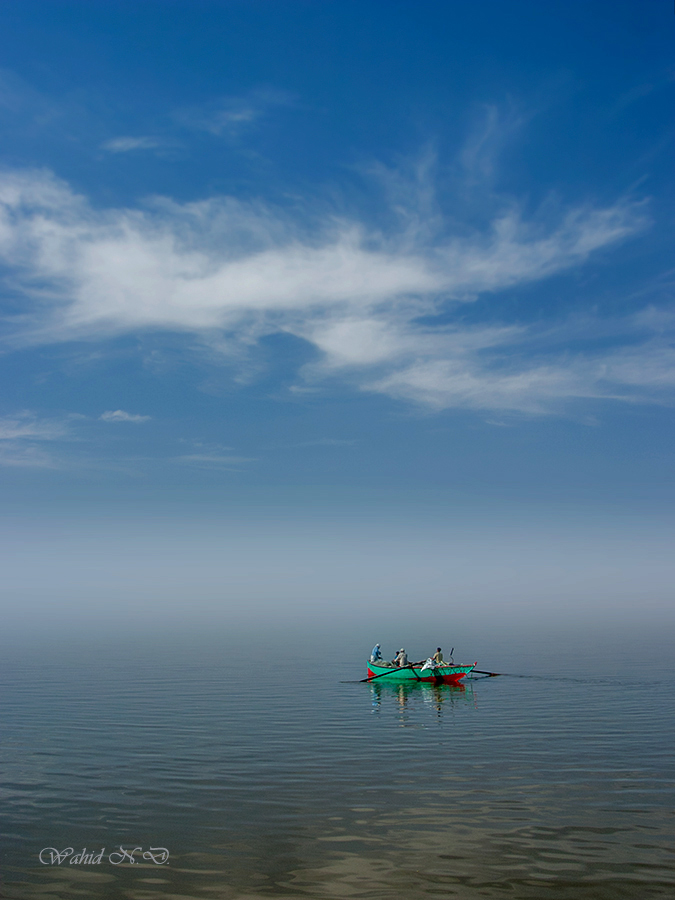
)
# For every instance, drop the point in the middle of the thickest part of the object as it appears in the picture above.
(438, 657)
(376, 655)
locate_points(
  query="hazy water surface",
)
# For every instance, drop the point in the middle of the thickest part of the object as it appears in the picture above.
(275, 778)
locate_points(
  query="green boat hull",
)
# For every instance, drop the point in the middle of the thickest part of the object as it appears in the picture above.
(445, 674)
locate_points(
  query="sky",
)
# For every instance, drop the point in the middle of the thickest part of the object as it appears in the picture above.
(332, 305)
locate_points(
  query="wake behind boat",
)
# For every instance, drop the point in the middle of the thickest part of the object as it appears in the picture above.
(444, 673)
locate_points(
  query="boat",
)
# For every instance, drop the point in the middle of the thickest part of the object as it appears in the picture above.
(445, 673)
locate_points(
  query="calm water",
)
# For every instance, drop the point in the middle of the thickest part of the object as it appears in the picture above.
(555, 782)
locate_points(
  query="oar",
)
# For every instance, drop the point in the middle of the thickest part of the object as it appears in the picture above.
(480, 672)
(390, 672)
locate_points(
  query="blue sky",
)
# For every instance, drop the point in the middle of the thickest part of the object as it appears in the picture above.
(309, 262)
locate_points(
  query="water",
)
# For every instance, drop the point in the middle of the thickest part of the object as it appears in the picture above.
(554, 782)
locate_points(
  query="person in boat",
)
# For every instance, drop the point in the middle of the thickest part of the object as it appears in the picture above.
(438, 657)
(376, 655)
(401, 658)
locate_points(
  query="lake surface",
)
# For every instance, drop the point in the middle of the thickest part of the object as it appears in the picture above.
(554, 782)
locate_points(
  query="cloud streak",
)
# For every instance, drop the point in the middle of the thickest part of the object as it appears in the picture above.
(213, 459)
(364, 298)
(119, 415)
(230, 117)
(130, 144)
(22, 436)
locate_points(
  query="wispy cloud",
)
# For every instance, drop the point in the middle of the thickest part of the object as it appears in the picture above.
(27, 426)
(493, 129)
(131, 144)
(366, 298)
(22, 436)
(659, 80)
(119, 415)
(208, 455)
(325, 442)
(16, 455)
(231, 116)
(210, 460)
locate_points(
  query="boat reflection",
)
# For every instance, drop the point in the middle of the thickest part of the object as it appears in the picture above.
(409, 694)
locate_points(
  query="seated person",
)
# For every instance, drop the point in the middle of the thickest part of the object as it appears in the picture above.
(438, 657)
(401, 658)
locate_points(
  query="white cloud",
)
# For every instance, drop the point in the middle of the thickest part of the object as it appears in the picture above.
(213, 459)
(119, 415)
(230, 116)
(233, 272)
(16, 455)
(129, 144)
(492, 130)
(453, 383)
(326, 442)
(21, 437)
(27, 426)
